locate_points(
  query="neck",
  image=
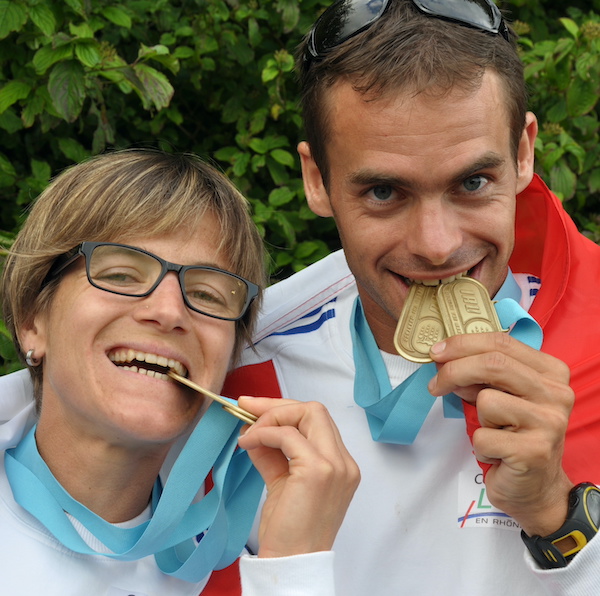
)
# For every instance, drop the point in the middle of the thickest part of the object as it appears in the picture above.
(382, 325)
(112, 481)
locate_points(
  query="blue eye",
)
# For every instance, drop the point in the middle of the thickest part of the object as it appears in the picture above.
(475, 183)
(382, 192)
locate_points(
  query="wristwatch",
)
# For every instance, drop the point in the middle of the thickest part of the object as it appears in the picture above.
(582, 523)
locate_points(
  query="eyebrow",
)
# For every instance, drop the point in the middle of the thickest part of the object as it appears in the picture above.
(369, 177)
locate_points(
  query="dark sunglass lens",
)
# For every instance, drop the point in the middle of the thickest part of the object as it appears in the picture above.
(341, 21)
(479, 13)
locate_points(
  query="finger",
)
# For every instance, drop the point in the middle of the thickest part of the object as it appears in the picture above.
(499, 410)
(311, 419)
(498, 370)
(283, 451)
(461, 346)
(523, 452)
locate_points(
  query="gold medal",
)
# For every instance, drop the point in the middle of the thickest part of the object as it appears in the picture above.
(465, 307)
(432, 313)
(420, 324)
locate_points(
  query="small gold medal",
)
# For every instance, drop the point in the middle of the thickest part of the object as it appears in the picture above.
(432, 313)
(466, 307)
(420, 324)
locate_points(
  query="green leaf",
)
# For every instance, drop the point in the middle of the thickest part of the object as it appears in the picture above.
(581, 97)
(585, 63)
(183, 52)
(6, 166)
(66, 86)
(258, 145)
(562, 180)
(34, 107)
(287, 229)
(10, 122)
(290, 12)
(88, 53)
(270, 71)
(254, 36)
(151, 51)
(571, 26)
(40, 170)
(281, 196)
(226, 153)
(157, 89)
(43, 18)
(594, 181)
(12, 17)
(117, 16)
(77, 6)
(46, 56)
(82, 31)
(73, 150)
(241, 164)
(558, 112)
(11, 93)
(283, 157)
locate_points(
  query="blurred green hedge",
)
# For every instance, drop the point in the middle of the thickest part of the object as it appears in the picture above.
(216, 78)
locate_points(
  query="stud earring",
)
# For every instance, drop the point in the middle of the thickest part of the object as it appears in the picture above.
(31, 361)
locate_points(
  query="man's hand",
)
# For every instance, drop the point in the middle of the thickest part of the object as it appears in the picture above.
(309, 475)
(523, 402)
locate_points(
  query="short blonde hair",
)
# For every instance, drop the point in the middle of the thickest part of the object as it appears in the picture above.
(122, 194)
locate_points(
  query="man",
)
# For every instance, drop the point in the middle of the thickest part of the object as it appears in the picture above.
(421, 149)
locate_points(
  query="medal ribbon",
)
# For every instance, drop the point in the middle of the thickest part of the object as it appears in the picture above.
(223, 517)
(397, 415)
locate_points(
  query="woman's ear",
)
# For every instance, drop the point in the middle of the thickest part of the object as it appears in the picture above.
(32, 336)
(526, 152)
(314, 189)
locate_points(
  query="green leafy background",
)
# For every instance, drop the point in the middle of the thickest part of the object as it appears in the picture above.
(216, 78)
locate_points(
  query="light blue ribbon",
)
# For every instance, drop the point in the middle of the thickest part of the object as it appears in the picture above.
(223, 517)
(396, 416)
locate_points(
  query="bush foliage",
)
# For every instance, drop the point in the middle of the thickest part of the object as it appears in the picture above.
(215, 77)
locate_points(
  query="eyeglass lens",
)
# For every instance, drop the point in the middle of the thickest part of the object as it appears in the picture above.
(126, 271)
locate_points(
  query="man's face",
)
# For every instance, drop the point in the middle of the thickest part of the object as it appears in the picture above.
(421, 188)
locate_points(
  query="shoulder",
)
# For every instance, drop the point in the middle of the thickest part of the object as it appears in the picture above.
(17, 409)
(303, 293)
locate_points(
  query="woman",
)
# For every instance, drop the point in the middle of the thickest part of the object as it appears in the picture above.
(129, 266)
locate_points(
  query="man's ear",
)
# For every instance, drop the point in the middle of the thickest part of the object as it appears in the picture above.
(314, 189)
(526, 152)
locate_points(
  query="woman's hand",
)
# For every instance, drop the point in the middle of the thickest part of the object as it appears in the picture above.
(309, 475)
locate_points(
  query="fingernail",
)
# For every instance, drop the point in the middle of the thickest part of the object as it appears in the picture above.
(438, 348)
(246, 429)
(432, 385)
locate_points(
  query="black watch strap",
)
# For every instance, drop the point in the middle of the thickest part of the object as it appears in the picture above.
(583, 519)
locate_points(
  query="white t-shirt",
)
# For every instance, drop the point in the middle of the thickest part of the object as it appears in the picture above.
(33, 562)
(420, 522)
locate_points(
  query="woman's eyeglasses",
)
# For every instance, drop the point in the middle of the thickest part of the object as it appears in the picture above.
(130, 271)
(346, 18)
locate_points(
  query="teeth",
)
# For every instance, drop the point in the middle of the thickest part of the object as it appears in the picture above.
(436, 282)
(129, 355)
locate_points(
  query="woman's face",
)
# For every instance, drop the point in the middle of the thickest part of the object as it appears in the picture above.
(87, 336)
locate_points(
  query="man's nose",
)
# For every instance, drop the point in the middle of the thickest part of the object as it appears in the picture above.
(434, 232)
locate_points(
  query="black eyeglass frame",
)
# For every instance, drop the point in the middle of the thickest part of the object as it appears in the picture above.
(85, 249)
(312, 53)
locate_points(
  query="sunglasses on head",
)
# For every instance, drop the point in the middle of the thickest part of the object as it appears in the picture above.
(346, 18)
